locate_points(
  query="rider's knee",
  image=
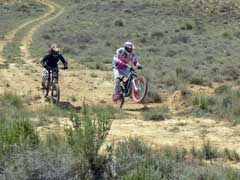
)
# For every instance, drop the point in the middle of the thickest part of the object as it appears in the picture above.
(117, 80)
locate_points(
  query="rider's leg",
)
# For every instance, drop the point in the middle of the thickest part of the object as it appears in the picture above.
(126, 72)
(55, 74)
(116, 90)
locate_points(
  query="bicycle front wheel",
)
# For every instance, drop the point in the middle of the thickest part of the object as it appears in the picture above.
(55, 93)
(139, 89)
(45, 89)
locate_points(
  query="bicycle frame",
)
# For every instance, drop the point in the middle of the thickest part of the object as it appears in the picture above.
(128, 83)
(52, 77)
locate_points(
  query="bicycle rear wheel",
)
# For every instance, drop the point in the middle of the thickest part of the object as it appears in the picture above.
(55, 93)
(139, 89)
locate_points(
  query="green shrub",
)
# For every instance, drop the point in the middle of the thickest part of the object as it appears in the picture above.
(157, 34)
(231, 155)
(90, 130)
(136, 160)
(119, 22)
(171, 53)
(153, 97)
(208, 151)
(222, 89)
(18, 134)
(203, 102)
(11, 100)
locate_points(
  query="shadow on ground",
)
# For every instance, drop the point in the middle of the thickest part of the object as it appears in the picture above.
(68, 105)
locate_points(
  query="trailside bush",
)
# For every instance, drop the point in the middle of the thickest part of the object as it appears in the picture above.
(136, 160)
(89, 131)
(16, 135)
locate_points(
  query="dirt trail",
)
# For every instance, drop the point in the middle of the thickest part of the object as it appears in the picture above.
(95, 87)
(27, 40)
(25, 78)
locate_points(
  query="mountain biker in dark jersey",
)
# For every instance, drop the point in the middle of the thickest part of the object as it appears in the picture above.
(120, 65)
(50, 62)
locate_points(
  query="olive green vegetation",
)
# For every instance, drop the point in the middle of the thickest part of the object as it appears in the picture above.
(223, 104)
(14, 14)
(23, 155)
(136, 160)
(176, 43)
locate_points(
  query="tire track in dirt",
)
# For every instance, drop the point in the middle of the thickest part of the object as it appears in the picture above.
(27, 40)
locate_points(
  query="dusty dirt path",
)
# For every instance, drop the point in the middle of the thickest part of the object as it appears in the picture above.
(27, 40)
(95, 87)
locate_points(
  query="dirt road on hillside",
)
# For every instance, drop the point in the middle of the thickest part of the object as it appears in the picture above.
(95, 87)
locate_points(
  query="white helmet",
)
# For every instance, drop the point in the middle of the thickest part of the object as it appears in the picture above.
(128, 46)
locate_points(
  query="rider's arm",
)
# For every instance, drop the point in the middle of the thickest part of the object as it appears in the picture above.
(118, 56)
(44, 61)
(135, 62)
(65, 63)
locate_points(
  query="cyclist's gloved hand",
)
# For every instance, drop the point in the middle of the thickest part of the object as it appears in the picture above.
(65, 67)
(139, 67)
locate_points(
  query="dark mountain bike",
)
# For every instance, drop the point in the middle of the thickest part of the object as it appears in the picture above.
(51, 85)
(132, 86)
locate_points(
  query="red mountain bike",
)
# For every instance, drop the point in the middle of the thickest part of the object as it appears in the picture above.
(134, 87)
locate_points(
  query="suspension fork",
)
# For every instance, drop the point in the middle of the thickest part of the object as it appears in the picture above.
(131, 82)
(134, 84)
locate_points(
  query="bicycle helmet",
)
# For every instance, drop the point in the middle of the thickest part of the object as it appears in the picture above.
(54, 49)
(128, 46)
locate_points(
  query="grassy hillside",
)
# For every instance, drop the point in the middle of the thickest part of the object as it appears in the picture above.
(14, 13)
(176, 42)
(180, 43)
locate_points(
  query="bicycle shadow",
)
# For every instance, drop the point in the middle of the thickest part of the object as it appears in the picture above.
(139, 109)
(68, 105)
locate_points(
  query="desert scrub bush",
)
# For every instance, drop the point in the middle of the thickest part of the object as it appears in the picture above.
(156, 114)
(222, 89)
(42, 163)
(232, 155)
(16, 135)
(11, 99)
(90, 130)
(203, 102)
(152, 97)
(208, 151)
(12, 107)
(224, 104)
(136, 160)
(119, 22)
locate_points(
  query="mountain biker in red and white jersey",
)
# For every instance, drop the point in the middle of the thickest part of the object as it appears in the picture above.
(120, 67)
(50, 62)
